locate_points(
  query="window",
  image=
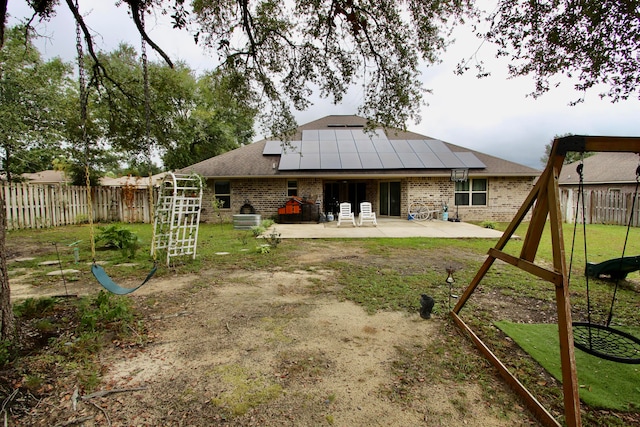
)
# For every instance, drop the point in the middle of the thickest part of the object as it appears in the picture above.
(292, 188)
(222, 192)
(472, 192)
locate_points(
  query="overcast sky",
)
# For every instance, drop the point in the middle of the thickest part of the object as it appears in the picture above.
(490, 115)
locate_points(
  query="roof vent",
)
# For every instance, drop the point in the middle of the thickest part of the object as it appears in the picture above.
(344, 125)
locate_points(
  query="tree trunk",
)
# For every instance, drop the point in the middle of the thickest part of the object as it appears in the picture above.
(6, 313)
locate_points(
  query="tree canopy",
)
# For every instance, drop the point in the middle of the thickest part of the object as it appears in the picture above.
(594, 43)
(31, 93)
(288, 50)
(182, 117)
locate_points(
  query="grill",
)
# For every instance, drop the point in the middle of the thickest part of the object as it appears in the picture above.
(247, 208)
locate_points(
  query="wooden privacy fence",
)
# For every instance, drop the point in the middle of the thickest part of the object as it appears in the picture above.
(600, 207)
(38, 206)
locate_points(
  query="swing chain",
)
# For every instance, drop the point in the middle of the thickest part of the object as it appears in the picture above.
(147, 118)
(579, 170)
(84, 99)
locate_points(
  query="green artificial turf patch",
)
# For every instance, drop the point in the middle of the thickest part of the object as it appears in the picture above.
(603, 384)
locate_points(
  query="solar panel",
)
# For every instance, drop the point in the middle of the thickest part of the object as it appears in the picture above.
(347, 146)
(272, 147)
(327, 135)
(328, 146)
(289, 161)
(370, 161)
(360, 135)
(344, 134)
(420, 146)
(437, 146)
(310, 147)
(431, 161)
(343, 149)
(365, 146)
(470, 160)
(390, 161)
(383, 146)
(310, 161)
(309, 135)
(292, 147)
(410, 161)
(377, 134)
(330, 161)
(350, 161)
(449, 160)
(401, 146)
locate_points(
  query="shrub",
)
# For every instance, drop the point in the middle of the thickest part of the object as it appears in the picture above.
(34, 307)
(124, 239)
(273, 239)
(489, 224)
(267, 223)
(257, 230)
(103, 310)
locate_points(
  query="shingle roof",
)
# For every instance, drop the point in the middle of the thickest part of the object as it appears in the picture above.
(136, 181)
(249, 161)
(47, 177)
(602, 168)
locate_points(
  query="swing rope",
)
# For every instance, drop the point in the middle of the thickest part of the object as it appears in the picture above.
(98, 272)
(626, 239)
(603, 341)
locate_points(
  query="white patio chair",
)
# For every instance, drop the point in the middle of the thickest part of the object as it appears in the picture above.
(366, 214)
(345, 214)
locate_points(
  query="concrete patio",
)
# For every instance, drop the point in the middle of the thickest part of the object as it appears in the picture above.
(387, 227)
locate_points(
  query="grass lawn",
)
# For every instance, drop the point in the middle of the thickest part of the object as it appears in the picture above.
(603, 384)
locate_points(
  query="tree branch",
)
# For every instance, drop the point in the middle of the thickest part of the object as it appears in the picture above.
(3, 19)
(135, 12)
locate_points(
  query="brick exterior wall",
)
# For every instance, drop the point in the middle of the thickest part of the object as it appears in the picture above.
(504, 196)
(265, 195)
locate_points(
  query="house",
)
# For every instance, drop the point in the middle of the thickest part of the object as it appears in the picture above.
(335, 159)
(47, 177)
(609, 189)
(139, 182)
(611, 172)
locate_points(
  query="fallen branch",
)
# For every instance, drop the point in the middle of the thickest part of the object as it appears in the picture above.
(74, 399)
(103, 393)
(9, 399)
(106, 416)
(178, 314)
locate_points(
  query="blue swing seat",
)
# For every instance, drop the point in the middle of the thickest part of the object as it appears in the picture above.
(106, 281)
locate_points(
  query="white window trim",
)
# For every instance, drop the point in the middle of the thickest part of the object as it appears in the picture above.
(470, 192)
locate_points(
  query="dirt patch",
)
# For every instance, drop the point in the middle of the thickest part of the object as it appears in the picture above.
(265, 348)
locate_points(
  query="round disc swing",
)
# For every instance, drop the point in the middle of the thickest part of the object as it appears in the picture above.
(98, 272)
(601, 340)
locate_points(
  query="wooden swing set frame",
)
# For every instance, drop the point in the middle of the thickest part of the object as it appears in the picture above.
(544, 201)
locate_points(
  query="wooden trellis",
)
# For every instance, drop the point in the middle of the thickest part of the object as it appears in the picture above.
(177, 216)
